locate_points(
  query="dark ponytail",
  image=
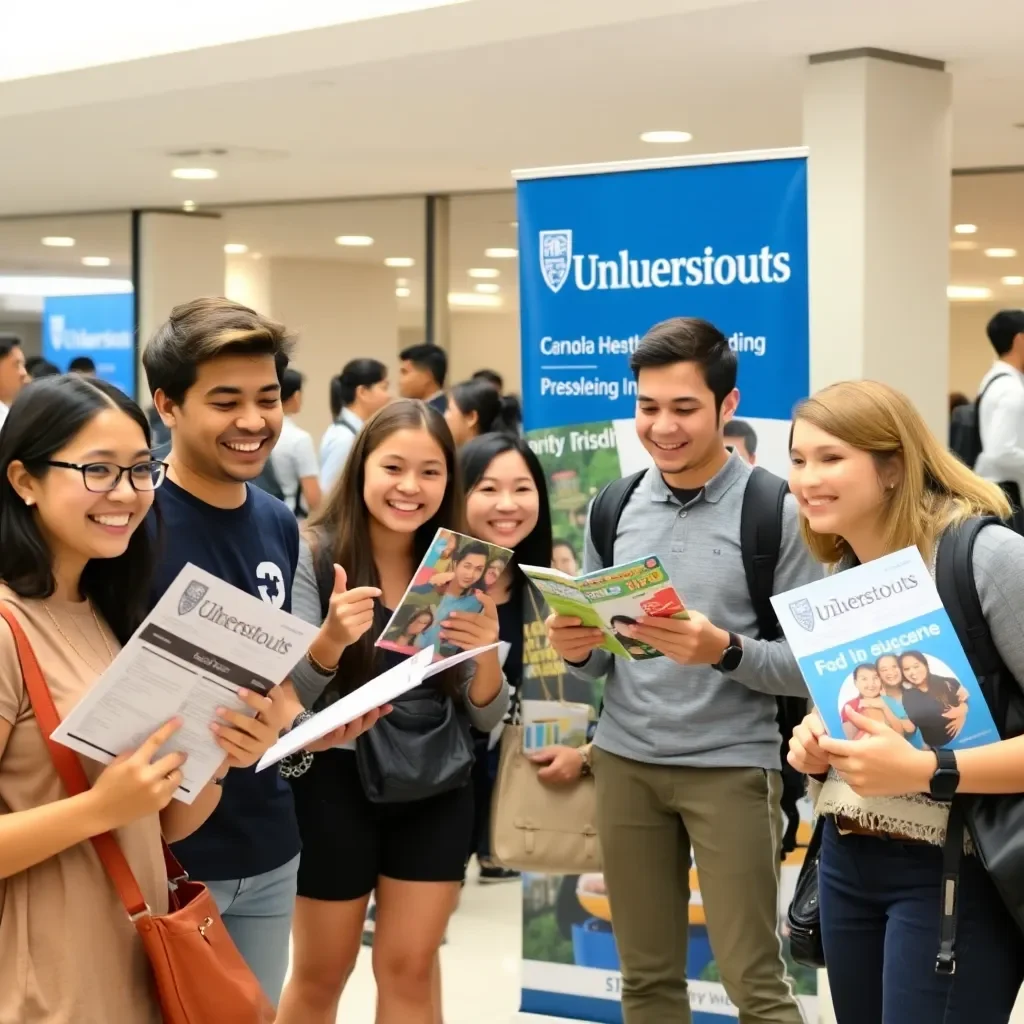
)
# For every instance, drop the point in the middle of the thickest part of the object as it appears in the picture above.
(495, 413)
(356, 374)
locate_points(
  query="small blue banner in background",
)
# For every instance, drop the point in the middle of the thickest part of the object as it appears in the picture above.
(99, 326)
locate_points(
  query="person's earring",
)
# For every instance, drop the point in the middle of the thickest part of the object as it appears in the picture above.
(30, 501)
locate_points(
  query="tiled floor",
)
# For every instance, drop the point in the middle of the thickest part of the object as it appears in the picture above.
(479, 963)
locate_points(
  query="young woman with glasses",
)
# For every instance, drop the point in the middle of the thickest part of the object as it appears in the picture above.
(76, 481)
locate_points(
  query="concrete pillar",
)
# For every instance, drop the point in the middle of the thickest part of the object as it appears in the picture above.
(438, 319)
(878, 126)
(177, 257)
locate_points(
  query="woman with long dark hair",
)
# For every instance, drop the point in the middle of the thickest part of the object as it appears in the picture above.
(475, 408)
(507, 505)
(400, 485)
(357, 393)
(77, 478)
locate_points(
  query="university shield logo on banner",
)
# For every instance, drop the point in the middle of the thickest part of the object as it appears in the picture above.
(803, 613)
(194, 593)
(555, 257)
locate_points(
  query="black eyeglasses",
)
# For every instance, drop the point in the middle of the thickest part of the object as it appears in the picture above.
(101, 477)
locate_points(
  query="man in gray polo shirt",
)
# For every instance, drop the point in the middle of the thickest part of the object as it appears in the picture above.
(687, 753)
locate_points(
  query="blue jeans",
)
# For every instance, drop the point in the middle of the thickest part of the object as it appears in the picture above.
(880, 926)
(258, 915)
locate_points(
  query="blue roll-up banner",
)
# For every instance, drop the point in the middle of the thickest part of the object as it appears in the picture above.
(605, 253)
(99, 326)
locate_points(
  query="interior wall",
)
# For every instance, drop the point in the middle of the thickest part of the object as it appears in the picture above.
(970, 353)
(339, 311)
(29, 331)
(490, 340)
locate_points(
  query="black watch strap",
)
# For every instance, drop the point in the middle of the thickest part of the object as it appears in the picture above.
(732, 655)
(946, 779)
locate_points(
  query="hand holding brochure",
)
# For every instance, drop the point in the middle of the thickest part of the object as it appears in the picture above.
(611, 597)
(454, 572)
(876, 639)
(203, 641)
(374, 694)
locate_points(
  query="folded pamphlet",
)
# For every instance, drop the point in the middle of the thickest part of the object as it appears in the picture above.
(876, 639)
(554, 723)
(454, 572)
(203, 641)
(376, 693)
(613, 597)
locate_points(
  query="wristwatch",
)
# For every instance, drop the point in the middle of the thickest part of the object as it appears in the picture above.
(731, 656)
(947, 776)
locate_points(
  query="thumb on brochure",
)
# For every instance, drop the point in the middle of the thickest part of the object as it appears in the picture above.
(340, 580)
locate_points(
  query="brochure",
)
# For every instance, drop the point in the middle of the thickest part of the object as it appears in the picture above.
(612, 597)
(202, 641)
(553, 723)
(374, 694)
(877, 640)
(455, 570)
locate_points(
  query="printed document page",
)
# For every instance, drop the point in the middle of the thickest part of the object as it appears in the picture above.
(203, 641)
(374, 694)
(876, 640)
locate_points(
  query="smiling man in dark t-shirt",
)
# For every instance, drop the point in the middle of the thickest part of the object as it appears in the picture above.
(214, 370)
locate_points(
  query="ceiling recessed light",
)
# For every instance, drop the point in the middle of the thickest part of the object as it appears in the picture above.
(665, 138)
(488, 289)
(402, 282)
(235, 248)
(1013, 279)
(965, 229)
(963, 245)
(356, 240)
(1001, 254)
(472, 299)
(501, 254)
(189, 205)
(962, 291)
(399, 261)
(59, 241)
(513, 223)
(195, 173)
(484, 273)
(95, 261)
(403, 293)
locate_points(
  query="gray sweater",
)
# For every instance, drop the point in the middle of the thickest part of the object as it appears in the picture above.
(662, 713)
(309, 684)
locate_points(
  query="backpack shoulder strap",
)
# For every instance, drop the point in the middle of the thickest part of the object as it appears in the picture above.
(760, 544)
(605, 513)
(954, 580)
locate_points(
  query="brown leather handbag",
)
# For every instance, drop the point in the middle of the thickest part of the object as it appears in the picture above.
(199, 974)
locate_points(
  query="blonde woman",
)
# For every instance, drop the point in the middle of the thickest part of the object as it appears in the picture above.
(870, 480)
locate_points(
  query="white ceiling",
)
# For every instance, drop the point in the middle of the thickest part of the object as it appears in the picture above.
(453, 98)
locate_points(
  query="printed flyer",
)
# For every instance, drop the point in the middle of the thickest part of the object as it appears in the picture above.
(611, 598)
(876, 639)
(454, 572)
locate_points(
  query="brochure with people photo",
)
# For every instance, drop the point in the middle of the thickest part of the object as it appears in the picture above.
(454, 572)
(611, 598)
(876, 639)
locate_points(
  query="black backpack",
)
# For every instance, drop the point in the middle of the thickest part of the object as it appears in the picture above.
(965, 427)
(760, 543)
(267, 481)
(995, 822)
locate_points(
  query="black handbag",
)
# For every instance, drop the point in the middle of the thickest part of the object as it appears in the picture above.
(804, 912)
(422, 749)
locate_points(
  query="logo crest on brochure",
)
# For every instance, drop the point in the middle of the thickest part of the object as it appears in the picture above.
(803, 613)
(555, 258)
(194, 593)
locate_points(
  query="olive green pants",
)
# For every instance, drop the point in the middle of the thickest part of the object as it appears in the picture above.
(648, 817)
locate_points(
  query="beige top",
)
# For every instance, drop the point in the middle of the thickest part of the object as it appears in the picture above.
(68, 953)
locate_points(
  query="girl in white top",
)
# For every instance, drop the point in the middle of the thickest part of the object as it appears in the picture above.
(870, 480)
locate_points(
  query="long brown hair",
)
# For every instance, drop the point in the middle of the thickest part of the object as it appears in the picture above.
(342, 522)
(934, 491)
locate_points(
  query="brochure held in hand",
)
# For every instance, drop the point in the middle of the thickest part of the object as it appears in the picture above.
(451, 577)
(613, 597)
(876, 639)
